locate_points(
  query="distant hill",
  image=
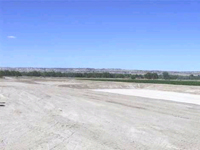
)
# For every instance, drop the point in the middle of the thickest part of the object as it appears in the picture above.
(90, 70)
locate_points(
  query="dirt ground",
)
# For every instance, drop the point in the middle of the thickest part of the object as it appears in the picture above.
(68, 114)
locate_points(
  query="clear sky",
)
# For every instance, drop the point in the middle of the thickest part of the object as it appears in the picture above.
(128, 34)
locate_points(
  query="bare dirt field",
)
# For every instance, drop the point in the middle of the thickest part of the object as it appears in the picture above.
(69, 114)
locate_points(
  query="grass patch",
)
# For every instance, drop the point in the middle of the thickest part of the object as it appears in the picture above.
(174, 82)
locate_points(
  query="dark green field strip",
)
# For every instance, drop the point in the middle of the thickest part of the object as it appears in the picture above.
(192, 83)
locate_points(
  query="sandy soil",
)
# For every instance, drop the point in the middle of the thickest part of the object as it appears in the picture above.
(60, 114)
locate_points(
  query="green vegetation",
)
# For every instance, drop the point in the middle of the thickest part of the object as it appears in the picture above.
(166, 75)
(192, 83)
(60, 74)
(149, 77)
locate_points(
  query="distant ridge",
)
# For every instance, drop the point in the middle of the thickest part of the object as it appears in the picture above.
(90, 70)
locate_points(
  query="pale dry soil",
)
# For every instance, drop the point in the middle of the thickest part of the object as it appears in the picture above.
(69, 114)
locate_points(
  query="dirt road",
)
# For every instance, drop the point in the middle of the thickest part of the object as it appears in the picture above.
(67, 114)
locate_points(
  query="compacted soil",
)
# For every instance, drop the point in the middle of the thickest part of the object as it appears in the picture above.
(69, 114)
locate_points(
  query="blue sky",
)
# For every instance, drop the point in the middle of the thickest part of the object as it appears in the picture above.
(128, 34)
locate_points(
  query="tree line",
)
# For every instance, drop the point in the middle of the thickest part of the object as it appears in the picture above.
(149, 75)
(61, 74)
